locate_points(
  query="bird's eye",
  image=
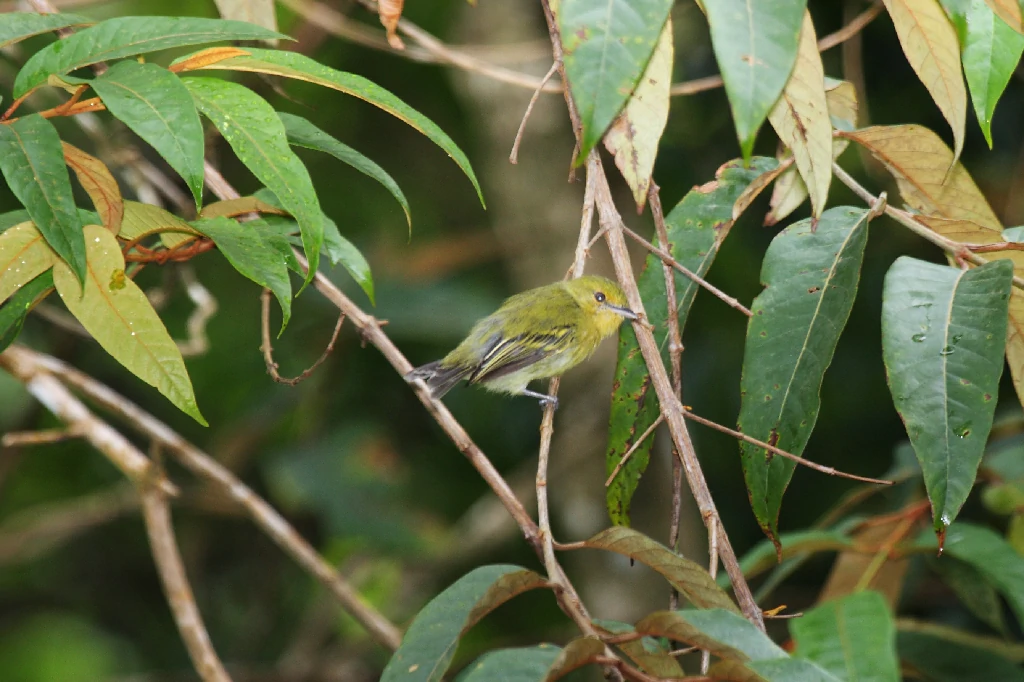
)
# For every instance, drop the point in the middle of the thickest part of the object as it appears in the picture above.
(599, 297)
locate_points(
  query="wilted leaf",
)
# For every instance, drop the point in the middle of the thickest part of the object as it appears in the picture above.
(128, 36)
(116, 312)
(755, 45)
(390, 11)
(690, 578)
(634, 135)
(98, 182)
(429, 643)
(810, 273)
(32, 162)
(607, 47)
(930, 44)
(156, 105)
(24, 255)
(942, 342)
(801, 118)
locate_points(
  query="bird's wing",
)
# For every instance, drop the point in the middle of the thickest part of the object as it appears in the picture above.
(523, 350)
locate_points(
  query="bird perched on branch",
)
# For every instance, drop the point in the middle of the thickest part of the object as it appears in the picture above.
(538, 334)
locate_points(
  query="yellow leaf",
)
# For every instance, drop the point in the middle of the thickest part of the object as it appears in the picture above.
(143, 220)
(1015, 340)
(24, 255)
(928, 177)
(98, 182)
(801, 118)
(1010, 12)
(633, 137)
(116, 312)
(235, 207)
(930, 43)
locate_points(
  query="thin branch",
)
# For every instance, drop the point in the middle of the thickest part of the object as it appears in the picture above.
(851, 29)
(954, 248)
(782, 453)
(268, 349)
(157, 514)
(669, 260)
(15, 439)
(197, 342)
(633, 448)
(513, 157)
(23, 360)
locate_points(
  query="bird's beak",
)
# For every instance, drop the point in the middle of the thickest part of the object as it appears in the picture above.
(621, 310)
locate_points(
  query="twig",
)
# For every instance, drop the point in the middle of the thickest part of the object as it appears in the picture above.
(782, 453)
(177, 590)
(513, 157)
(633, 448)
(268, 349)
(206, 307)
(669, 260)
(206, 468)
(15, 439)
(954, 248)
(851, 29)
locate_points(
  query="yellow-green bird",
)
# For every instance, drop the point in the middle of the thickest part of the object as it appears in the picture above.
(538, 334)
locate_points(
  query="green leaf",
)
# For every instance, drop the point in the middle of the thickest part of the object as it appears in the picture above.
(126, 37)
(990, 53)
(688, 577)
(14, 311)
(116, 312)
(429, 643)
(724, 633)
(337, 248)
(12, 218)
(943, 331)
(649, 653)
(853, 638)
(32, 162)
(696, 228)
(976, 593)
(302, 133)
(810, 274)
(755, 44)
(764, 555)
(155, 104)
(607, 46)
(993, 557)
(248, 252)
(251, 126)
(142, 220)
(24, 256)
(18, 26)
(523, 664)
(301, 67)
(941, 659)
(791, 670)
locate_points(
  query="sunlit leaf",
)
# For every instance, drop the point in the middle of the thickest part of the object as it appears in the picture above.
(943, 331)
(155, 104)
(930, 43)
(32, 162)
(429, 643)
(251, 126)
(24, 255)
(1010, 11)
(230, 208)
(18, 26)
(295, 65)
(99, 183)
(810, 274)
(116, 312)
(801, 118)
(128, 36)
(142, 220)
(634, 135)
(755, 45)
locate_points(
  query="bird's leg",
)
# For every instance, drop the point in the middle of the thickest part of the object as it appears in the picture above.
(545, 400)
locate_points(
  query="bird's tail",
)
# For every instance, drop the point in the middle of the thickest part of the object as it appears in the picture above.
(439, 379)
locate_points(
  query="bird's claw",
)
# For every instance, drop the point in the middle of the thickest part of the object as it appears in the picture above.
(549, 400)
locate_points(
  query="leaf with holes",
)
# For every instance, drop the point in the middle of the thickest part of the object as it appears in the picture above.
(429, 643)
(32, 162)
(99, 183)
(116, 312)
(128, 36)
(251, 126)
(810, 274)
(755, 44)
(943, 331)
(157, 106)
(301, 67)
(696, 228)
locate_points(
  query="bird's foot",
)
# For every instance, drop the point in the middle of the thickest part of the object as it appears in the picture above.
(544, 399)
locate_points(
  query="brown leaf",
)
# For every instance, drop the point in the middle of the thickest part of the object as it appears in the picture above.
(206, 58)
(576, 654)
(755, 188)
(98, 182)
(673, 624)
(505, 588)
(850, 567)
(235, 207)
(390, 12)
(1010, 12)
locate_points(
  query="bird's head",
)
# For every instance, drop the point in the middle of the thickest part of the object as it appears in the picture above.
(602, 301)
